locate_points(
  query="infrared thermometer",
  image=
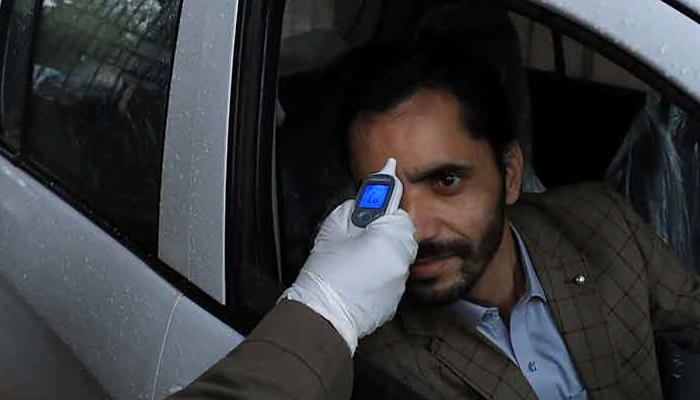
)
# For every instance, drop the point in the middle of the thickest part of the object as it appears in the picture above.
(379, 194)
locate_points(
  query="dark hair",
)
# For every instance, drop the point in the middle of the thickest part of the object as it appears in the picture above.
(386, 75)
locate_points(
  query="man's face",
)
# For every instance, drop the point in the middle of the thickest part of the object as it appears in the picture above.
(453, 190)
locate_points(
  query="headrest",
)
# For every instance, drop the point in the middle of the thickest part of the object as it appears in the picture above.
(310, 51)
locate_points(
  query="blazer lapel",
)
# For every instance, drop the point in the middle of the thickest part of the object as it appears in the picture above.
(575, 306)
(569, 283)
(466, 353)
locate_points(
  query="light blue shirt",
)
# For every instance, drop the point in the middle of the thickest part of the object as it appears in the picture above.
(533, 342)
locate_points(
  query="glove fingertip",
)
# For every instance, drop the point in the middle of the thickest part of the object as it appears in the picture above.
(402, 212)
(400, 221)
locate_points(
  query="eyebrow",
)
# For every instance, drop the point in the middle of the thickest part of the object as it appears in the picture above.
(438, 171)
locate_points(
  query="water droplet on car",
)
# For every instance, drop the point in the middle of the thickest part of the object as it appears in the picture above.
(174, 389)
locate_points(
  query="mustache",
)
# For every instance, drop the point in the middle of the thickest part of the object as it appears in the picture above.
(433, 249)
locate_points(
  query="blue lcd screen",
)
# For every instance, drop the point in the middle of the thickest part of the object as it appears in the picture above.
(374, 196)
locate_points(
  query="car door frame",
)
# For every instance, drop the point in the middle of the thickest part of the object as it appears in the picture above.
(250, 231)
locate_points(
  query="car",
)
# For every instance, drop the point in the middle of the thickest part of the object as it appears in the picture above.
(164, 163)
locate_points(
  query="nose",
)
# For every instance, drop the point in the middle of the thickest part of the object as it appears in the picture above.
(422, 215)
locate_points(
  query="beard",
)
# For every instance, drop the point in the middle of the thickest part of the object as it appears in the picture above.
(474, 257)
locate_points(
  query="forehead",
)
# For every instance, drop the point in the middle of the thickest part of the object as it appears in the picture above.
(425, 129)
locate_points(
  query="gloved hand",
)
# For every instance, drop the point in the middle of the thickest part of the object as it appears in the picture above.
(355, 277)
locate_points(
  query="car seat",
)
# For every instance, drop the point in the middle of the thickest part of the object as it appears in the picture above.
(656, 170)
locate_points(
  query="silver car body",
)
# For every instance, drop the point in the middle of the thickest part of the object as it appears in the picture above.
(84, 314)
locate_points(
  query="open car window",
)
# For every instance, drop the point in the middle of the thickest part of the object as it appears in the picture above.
(570, 93)
(624, 130)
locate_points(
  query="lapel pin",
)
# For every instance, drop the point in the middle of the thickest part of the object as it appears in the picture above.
(579, 279)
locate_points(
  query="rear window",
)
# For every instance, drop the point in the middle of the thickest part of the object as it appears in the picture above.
(95, 116)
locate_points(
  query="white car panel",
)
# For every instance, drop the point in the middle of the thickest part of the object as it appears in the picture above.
(195, 341)
(193, 194)
(107, 305)
(31, 353)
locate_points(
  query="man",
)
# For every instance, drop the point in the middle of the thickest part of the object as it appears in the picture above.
(552, 296)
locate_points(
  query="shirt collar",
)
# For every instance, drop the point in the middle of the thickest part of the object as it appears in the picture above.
(473, 313)
(533, 288)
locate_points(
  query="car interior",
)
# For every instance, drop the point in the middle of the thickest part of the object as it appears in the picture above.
(559, 112)
(580, 117)
(576, 110)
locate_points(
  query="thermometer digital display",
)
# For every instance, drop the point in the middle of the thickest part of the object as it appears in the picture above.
(374, 196)
(379, 194)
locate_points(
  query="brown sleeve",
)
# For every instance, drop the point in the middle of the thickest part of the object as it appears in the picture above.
(293, 353)
(675, 292)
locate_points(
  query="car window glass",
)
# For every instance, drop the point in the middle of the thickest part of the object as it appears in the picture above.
(95, 123)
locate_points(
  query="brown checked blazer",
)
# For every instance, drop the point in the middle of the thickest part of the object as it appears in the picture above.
(634, 285)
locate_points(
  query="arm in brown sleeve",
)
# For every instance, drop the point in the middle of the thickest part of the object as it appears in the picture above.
(293, 353)
(675, 292)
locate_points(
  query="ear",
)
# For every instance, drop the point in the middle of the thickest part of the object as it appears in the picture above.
(513, 162)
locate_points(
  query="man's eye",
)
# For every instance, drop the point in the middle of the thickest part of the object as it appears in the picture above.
(450, 181)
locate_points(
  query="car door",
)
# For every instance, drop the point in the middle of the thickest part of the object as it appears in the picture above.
(142, 259)
(114, 177)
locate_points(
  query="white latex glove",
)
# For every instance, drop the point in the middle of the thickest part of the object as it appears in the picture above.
(355, 277)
